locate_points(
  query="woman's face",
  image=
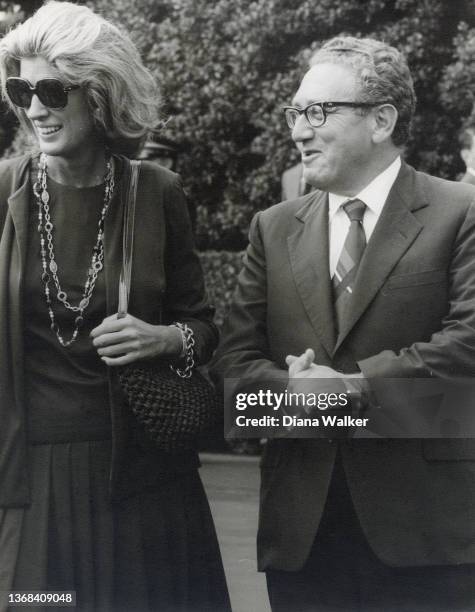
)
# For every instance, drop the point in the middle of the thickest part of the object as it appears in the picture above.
(67, 132)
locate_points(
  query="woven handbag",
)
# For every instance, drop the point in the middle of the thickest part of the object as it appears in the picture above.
(172, 407)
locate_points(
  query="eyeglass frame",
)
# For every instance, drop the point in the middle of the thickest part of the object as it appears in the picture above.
(34, 91)
(325, 107)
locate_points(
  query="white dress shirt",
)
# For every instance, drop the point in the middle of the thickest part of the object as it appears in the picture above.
(373, 195)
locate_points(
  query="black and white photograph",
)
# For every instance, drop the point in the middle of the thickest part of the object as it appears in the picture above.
(237, 305)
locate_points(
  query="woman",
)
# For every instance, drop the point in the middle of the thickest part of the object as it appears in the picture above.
(87, 504)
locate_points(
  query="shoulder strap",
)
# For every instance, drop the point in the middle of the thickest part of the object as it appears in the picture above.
(133, 168)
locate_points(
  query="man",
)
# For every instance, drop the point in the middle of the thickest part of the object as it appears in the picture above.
(161, 150)
(467, 152)
(371, 277)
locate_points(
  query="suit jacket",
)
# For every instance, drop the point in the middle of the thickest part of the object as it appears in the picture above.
(167, 285)
(413, 316)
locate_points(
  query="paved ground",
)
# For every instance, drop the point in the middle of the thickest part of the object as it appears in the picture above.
(232, 485)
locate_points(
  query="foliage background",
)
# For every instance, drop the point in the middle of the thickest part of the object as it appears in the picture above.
(227, 66)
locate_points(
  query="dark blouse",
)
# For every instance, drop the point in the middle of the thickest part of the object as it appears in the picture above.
(66, 387)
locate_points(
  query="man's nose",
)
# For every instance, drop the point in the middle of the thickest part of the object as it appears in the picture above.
(37, 109)
(302, 129)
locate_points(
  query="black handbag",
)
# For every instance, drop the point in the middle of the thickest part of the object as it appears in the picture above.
(171, 405)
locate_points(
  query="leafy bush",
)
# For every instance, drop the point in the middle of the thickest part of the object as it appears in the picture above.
(221, 269)
(227, 66)
(457, 87)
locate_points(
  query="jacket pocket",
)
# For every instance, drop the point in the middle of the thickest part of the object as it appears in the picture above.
(415, 279)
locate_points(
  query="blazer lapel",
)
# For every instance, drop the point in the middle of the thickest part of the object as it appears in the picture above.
(15, 243)
(395, 231)
(308, 252)
(18, 206)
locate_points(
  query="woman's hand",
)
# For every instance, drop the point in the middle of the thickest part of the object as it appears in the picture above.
(122, 341)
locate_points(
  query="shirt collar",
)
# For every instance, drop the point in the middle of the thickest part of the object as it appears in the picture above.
(373, 195)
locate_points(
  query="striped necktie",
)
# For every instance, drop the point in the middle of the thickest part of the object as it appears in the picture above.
(350, 257)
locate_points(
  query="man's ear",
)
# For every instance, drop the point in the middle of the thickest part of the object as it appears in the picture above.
(385, 118)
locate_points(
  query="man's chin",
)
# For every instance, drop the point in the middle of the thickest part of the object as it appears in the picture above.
(313, 178)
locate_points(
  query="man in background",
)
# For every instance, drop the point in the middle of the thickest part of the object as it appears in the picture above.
(160, 150)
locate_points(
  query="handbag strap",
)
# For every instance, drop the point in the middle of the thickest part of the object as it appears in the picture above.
(133, 168)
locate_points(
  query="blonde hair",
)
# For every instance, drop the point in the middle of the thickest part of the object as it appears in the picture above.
(91, 52)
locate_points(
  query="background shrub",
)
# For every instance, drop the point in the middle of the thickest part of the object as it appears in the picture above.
(221, 269)
(227, 66)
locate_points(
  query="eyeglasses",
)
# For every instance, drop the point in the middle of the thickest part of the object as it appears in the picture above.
(51, 92)
(316, 113)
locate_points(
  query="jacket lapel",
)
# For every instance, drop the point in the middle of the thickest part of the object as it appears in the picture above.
(395, 231)
(18, 206)
(13, 248)
(308, 252)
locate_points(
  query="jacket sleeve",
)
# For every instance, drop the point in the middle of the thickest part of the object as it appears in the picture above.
(244, 351)
(185, 299)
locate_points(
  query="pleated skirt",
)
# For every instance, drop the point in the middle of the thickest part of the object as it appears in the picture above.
(156, 551)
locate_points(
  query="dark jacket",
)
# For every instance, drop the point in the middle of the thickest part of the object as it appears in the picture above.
(413, 315)
(167, 286)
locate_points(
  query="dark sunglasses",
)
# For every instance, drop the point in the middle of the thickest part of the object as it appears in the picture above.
(51, 92)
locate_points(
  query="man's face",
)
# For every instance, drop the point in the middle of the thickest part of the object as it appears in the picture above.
(336, 155)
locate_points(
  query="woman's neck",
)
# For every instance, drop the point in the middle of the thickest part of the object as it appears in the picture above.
(79, 172)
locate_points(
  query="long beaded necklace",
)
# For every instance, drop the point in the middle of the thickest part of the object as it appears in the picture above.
(50, 269)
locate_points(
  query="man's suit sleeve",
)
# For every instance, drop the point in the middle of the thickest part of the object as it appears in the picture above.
(244, 351)
(450, 352)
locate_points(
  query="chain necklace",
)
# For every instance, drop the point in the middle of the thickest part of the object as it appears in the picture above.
(50, 270)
